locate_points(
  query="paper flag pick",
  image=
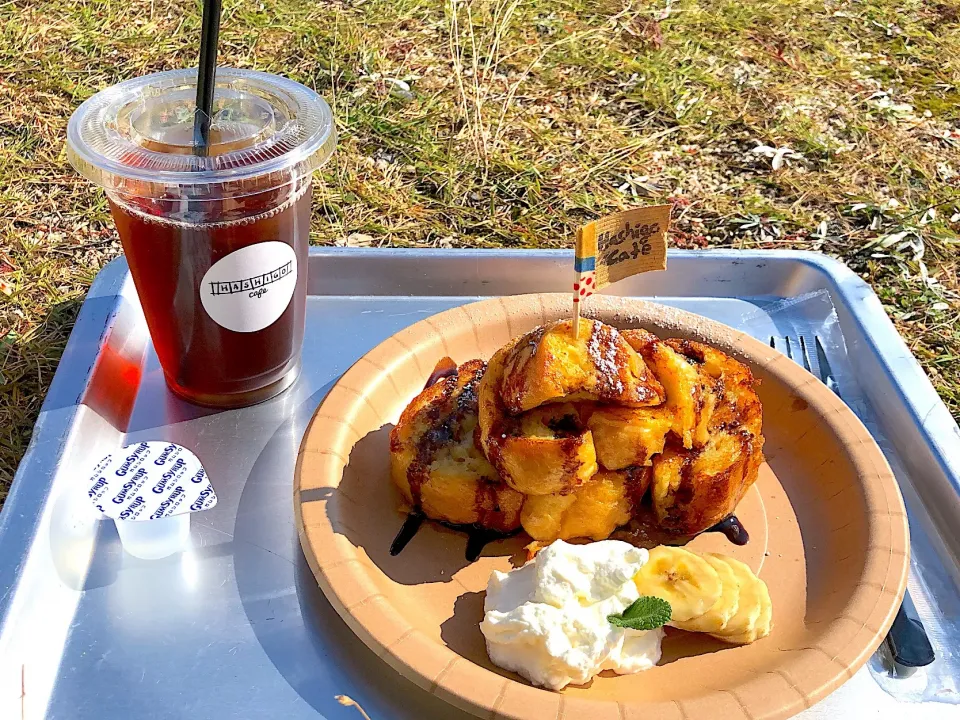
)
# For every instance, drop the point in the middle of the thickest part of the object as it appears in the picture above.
(618, 246)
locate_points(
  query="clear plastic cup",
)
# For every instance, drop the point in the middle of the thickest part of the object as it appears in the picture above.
(155, 539)
(216, 240)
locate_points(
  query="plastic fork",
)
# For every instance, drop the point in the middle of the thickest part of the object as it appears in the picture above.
(907, 640)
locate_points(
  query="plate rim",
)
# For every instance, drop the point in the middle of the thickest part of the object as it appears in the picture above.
(339, 579)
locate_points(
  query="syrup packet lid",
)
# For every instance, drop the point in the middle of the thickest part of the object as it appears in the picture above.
(149, 481)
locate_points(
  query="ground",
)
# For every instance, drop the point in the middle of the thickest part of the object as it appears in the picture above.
(830, 126)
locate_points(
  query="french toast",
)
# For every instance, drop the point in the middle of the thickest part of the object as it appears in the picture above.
(682, 384)
(594, 510)
(624, 437)
(550, 365)
(438, 467)
(574, 438)
(545, 450)
(694, 488)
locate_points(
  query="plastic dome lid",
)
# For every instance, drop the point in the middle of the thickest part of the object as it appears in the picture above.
(137, 137)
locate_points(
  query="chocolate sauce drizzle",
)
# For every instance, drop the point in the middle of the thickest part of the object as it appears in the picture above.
(644, 530)
(407, 531)
(477, 537)
(733, 529)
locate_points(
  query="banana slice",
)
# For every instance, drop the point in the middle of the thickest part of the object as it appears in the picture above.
(685, 580)
(764, 623)
(716, 618)
(750, 606)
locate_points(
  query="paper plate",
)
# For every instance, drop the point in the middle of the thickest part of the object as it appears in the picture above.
(827, 523)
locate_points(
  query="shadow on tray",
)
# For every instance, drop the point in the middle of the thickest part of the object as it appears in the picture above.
(313, 650)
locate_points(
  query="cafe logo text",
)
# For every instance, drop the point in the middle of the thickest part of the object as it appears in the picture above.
(254, 286)
(629, 243)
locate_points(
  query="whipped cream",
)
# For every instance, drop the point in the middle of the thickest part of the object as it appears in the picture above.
(548, 621)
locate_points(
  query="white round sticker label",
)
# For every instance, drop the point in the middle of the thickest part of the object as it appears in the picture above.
(250, 288)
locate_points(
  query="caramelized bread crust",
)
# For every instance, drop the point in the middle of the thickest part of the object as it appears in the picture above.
(543, 451)
(436, 464)
(628, 436)
(549, 365)
(696, 487)
(567, 437)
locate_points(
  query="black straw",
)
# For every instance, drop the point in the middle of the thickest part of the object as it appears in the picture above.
(206, 76)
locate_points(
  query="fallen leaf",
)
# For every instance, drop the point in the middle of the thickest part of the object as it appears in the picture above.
(778, 158)
(399, 88)
(359, 240)
(647, 30)
(891, 239)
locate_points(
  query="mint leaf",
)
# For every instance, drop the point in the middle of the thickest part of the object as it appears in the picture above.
(645, 613)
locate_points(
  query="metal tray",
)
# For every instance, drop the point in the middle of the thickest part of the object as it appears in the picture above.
(236, 627)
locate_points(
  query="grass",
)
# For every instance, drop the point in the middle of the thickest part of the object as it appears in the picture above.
(490, 123)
